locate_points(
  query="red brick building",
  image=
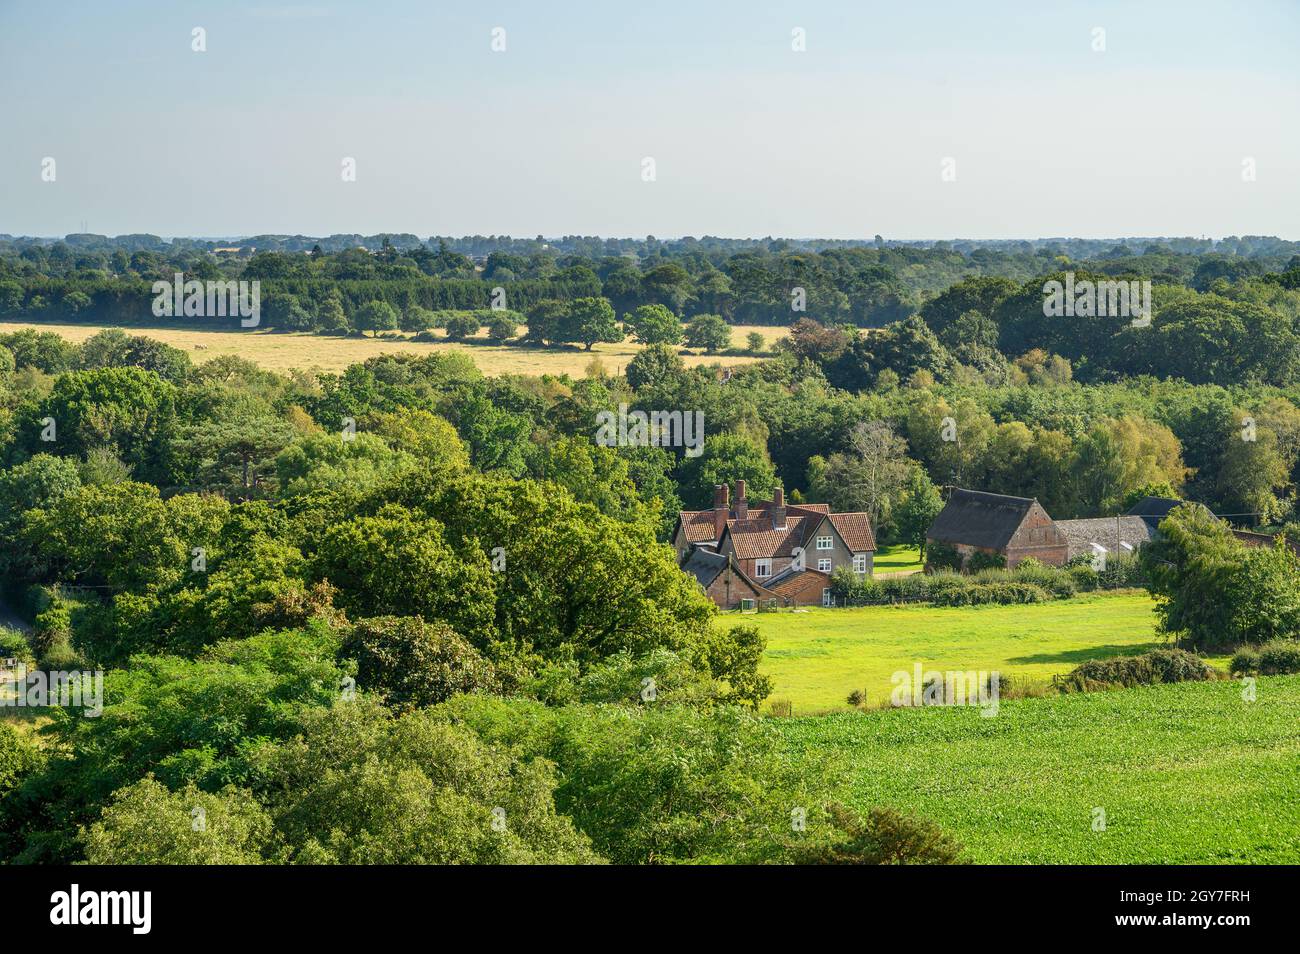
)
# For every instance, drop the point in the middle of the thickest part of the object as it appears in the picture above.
(1014, 528)
(781, 551)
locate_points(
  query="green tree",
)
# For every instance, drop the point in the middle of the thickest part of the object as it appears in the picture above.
(375, 316)
(654, 324)
(145, 824)
(589, 321)
(709, 332)
(412, 663)
(917, 510)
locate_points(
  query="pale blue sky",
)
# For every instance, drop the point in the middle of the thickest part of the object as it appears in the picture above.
(749, 138)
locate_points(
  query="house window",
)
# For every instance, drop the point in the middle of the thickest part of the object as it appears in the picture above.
(824, 565)
(827, 598)
(825, 543)
(859, 563)
(762, 568)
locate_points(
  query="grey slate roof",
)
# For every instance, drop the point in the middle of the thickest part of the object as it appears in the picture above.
(979, 519)
(705, 565)
(1080, 535)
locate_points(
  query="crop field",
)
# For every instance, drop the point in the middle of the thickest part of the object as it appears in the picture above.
(284, 351)
(1191, 773)
(818, 656)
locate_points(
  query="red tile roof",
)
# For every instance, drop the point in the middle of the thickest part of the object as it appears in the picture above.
(756, 538)
(855, 530)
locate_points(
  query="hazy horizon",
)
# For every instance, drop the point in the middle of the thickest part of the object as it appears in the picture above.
(844, 140)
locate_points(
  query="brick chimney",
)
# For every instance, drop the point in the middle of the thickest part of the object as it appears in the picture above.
(721, 493)
(742, 505)
(778, 508)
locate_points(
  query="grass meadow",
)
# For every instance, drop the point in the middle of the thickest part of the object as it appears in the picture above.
(1190, 773)
(285, 351)
(897, 558)
(817, 657)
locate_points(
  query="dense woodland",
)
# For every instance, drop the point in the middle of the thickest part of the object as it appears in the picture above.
(240, 548)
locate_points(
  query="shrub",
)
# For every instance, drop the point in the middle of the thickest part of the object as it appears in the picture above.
(14, 645)
(941, 556)
(1153, 668)
(53, 632)
(462, 325)
(502, 328)
(659, 676)
(857, 697)
(413, 664)
(1084, 576)
(980, 560)
(781, 708)
(883, 837)
(980, 594)
(1280, 657)
(1245, 661)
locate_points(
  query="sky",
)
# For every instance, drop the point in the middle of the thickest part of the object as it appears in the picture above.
(912, 120)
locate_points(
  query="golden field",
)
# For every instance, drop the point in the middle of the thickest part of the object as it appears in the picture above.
(284, 351)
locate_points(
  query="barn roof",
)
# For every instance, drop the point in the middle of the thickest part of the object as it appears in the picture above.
(979, 519)
(1107, 532)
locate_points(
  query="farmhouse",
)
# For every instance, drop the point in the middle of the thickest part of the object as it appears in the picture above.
(1014, 528)
(763, 550)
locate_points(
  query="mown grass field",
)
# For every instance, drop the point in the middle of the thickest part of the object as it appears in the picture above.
(898, 558)
(816, 658)
(284, 351)
(1187, 773)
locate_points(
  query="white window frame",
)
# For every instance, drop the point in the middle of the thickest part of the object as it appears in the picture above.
(859, 563)
(762, 569)
(826, 543)
(824, 565)
(827, 598)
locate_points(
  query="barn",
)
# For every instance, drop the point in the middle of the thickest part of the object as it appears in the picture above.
(974, 521)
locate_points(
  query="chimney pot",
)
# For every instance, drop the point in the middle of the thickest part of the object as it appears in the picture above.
(742, 504)
(778, 508)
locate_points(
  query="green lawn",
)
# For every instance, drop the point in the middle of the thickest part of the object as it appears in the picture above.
(898, 558)
(816, 658)
(1188, 773)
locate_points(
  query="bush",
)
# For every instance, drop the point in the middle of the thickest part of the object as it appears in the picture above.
(941, 556)
(502, 328)
(1245, 662)
(980, 594)
(979, 560)
(14, 645)
(52, 634)
(1281, 657)
(658, 677)
(462, 325)
(883, 837)
(1153, 668)
(857, 697)
(413, 664)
